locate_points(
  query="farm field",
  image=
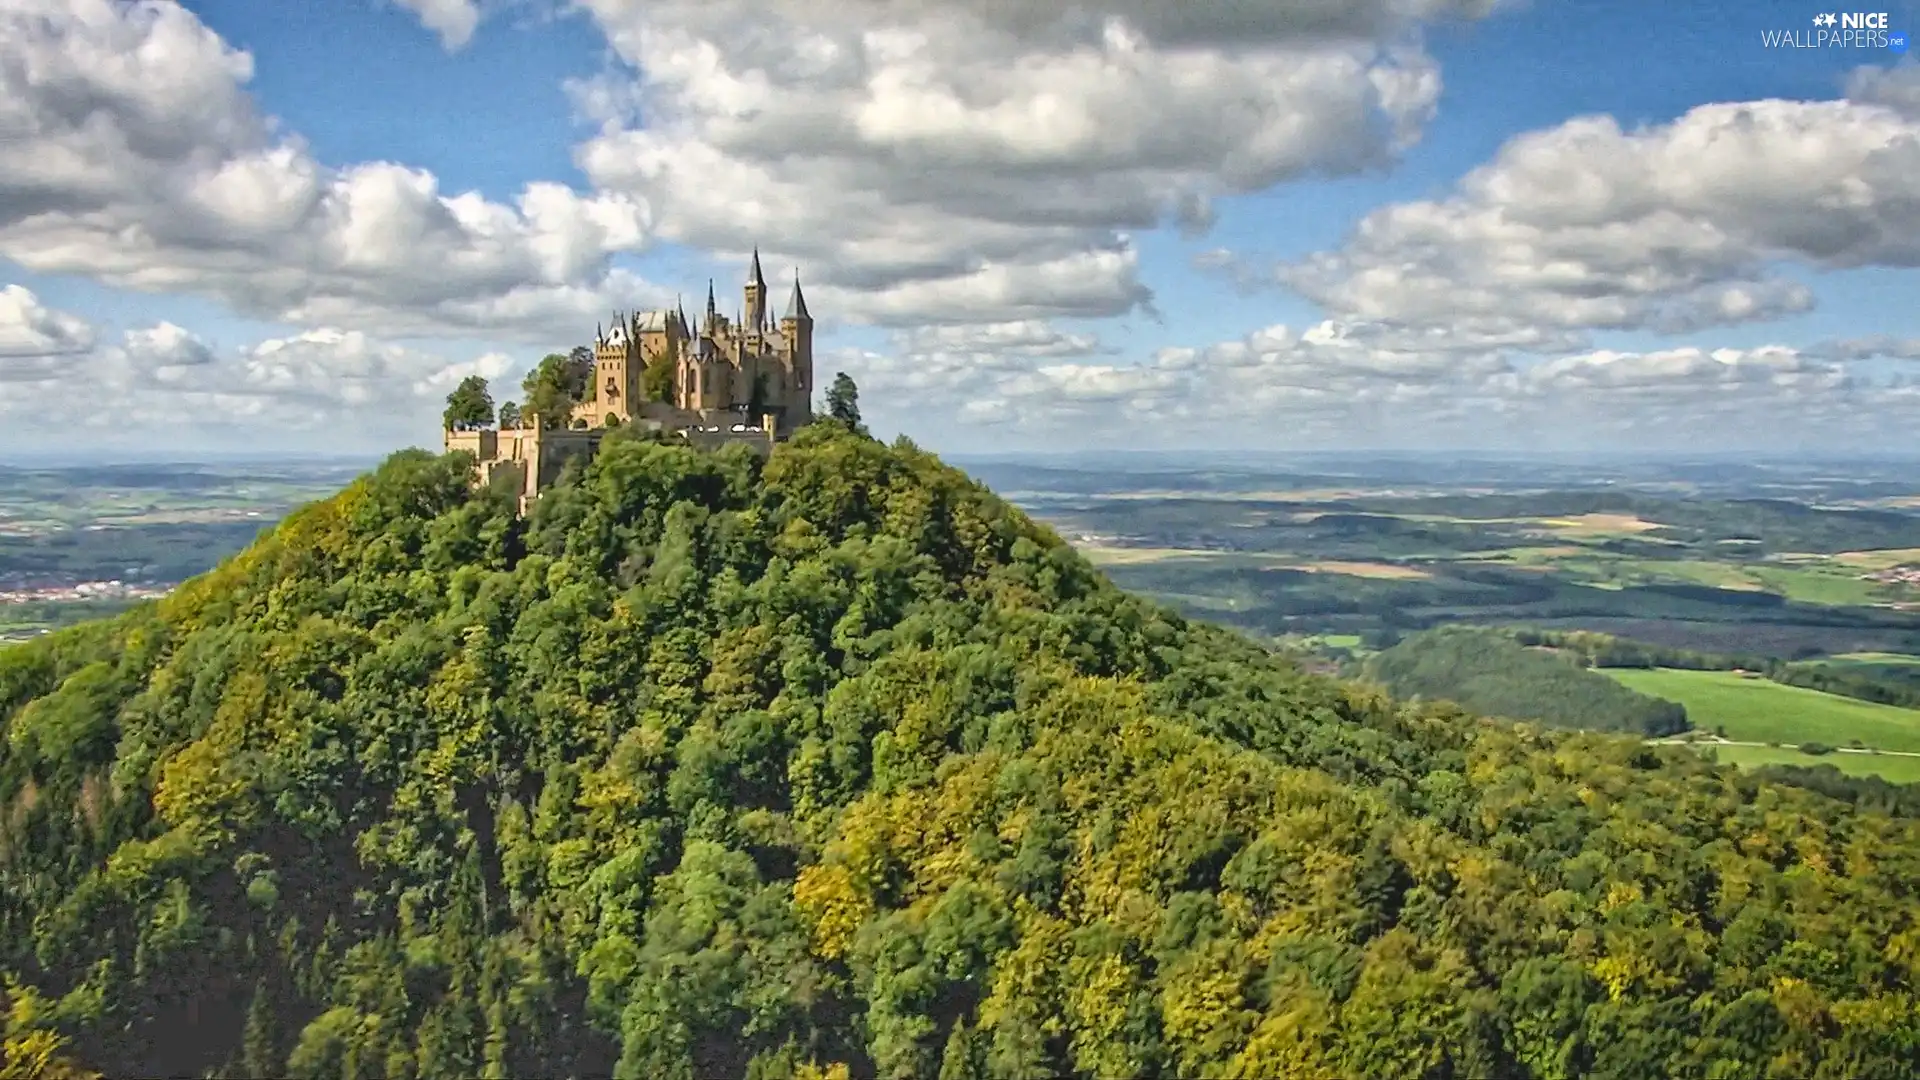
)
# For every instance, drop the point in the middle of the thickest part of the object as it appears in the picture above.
(1888, 767)
(1125, 556)
(1101, 555)
(1763, 711)
(1747, 560)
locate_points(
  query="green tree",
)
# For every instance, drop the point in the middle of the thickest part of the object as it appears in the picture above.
(843, 401)
(469, 406)
(554, 387)
(510, 414)
(657, 380)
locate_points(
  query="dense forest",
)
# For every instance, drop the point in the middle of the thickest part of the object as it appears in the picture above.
(832, 764)
(1491, 672)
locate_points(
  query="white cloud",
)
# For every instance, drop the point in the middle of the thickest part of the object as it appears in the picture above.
(133, 155)
(986, 161)
(339, 390)
(1588, 227)
(1330, 386)
(1877, 347)
(454, 20)
(167, 348)
(1026, 337)
(1897, 88)
(32, 332)
(1164, 22)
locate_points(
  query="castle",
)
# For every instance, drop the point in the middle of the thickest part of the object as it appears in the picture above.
(724, 368)
(742, 380)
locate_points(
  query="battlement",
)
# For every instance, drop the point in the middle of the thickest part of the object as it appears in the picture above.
(530, 459)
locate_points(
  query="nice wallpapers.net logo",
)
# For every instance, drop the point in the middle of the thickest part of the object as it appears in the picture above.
(1841, 30)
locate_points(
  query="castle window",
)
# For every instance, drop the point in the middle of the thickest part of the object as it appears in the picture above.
(613, 388)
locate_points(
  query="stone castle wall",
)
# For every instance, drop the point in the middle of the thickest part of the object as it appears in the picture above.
(530, 459)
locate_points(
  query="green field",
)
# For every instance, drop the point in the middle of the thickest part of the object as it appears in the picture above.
(1761, 710)
(1897, 770)
(1841, 588)
(1837, 586)
(1902, 659)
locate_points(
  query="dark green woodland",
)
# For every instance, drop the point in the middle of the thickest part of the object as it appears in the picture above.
(1490, 672)
(835, 765)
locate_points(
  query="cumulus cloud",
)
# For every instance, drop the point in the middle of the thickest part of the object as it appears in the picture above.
(454, 20)
(166, 348)
(31, 331)
(1164, 22)
(1330, 386)
(342, 389)
(131, 153)
(1897, 88)
(1881, 346)
(1026, 337)
(987, 160)
(1678, 227)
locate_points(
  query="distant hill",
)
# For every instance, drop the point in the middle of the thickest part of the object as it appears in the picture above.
(1490, 672)
(835, 765)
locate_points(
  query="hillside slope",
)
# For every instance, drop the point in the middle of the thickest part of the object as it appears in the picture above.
(836, 765)
(1487, 670)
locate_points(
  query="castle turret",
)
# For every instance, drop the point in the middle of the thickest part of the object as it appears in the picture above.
(756, 315)
(797, 302)
(796, 327)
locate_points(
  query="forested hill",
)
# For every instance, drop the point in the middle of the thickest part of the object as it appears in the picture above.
(836, 765)
(1489, 671)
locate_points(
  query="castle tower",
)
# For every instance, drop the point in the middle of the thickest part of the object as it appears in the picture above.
(612, 374)
(796, 328)
(755, 323)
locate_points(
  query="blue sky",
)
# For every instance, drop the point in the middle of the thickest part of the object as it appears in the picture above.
(294, 225)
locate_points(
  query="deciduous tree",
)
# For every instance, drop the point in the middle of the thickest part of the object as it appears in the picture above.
(469, 406)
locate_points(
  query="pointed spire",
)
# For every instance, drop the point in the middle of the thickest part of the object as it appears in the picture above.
(753, 276)
(797, 302)
(711, 308)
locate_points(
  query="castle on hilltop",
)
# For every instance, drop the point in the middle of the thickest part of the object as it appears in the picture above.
(748, 379)
(747, 365)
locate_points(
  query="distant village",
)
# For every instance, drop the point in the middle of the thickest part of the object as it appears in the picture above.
(1896, 575)
(41, 592)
